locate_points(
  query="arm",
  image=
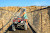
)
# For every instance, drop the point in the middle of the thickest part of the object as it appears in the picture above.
(19, 18)
(22, 14)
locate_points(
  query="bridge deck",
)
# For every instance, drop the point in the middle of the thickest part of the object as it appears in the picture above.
(19, 30)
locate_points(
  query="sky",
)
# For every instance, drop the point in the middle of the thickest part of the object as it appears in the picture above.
(4, 3)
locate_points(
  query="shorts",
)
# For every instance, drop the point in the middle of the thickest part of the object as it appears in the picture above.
(25, 17)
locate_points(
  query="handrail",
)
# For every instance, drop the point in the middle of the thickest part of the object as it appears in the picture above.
(38, 9)
(9, 20)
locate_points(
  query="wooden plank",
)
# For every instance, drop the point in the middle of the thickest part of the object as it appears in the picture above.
(21, 31)
(45, 21)
(1, 31)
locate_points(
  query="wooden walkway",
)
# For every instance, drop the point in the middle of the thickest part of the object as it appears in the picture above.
(19, 30)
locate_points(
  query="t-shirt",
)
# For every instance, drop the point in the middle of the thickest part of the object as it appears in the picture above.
(25, 15)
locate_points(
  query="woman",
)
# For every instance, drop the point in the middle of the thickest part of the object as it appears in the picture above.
(25, 17)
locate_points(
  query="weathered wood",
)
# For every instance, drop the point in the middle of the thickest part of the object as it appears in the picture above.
(21, 31)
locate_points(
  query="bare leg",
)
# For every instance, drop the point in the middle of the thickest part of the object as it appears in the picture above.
(27, 23)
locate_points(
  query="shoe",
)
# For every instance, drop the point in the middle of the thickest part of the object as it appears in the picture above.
(14, 29)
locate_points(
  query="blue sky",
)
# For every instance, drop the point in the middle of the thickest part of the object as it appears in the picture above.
(4, 3)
